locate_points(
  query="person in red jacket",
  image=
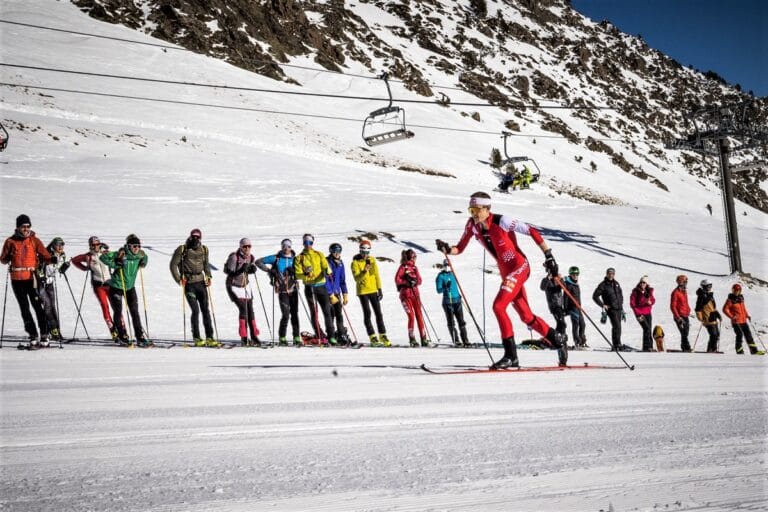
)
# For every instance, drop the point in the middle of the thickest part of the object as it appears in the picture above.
(641, 301)
(498, 235)
(100, 275)
(736, 310)
(408, 280)
(24, 252)
(681, 310)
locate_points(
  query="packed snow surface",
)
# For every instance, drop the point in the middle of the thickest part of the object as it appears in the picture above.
(110, 429)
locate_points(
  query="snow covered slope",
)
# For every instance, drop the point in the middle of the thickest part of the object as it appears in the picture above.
(238, 430)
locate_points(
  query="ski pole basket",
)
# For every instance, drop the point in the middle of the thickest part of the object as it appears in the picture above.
(516, 159)
(386, 124)
(3, 137)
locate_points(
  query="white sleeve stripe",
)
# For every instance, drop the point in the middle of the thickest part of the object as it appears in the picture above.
(508, 224)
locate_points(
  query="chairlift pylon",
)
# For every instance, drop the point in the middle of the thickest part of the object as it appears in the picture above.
(377, 126)
(515, 159)
(3, 137)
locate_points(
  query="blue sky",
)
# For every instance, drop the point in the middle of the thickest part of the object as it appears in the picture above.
(729, 37)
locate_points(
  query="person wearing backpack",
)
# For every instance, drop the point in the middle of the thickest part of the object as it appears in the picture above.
(239, 264)
(191, 269)
(283, 280)
(100, 276)
(736, 310)
(23, 252)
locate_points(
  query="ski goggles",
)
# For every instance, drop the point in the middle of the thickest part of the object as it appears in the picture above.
(474, 210)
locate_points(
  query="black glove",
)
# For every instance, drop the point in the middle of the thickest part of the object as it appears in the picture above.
(549, 263)
(54, 259)
(251, 269)
(104, 247)
(379, 294)
(714, 316)
(411, 281)
(443, 247)
(603, 317)
(64, 266)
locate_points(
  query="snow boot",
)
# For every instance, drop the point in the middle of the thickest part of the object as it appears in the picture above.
(199, 342)
(412, 341)
(558, 341)
(283, 341)
(212, 343)
(297, 341)
(384, 340)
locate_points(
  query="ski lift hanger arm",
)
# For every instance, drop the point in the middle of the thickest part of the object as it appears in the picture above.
(277, 91)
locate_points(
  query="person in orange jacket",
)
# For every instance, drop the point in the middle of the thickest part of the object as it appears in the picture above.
(678, 304)
(24, 252)
(735, 309)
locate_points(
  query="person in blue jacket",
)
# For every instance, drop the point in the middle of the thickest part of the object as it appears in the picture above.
(336, 283)
(281, 275)
(445, 282)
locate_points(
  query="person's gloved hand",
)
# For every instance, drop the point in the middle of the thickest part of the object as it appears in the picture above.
(549, 263)
(334, 299)
(64, 266)
(344, 299)
(443, 247)
(379, 294)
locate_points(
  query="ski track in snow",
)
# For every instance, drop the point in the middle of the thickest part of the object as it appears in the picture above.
(205, 430)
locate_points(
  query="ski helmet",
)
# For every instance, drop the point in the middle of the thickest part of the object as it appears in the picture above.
(365, 246)
(286, 243)
(57, 241)
(736, 288)
(307, 239)
(682, 279)
(573, 271)
(335, 247)
(705, 283)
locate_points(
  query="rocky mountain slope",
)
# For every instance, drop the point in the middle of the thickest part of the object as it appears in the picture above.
(524, 56)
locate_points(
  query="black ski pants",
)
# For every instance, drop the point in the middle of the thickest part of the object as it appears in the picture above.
(714, 337)
(743, 333)
(614, 315)
(646, 323)
(48, 296)
(559, 315)
(684, 326)
(317, 298)
(26, 294)
(337, 316)
(197, 298)
(456, 311)
(116, 297)
(578, 327)
(371, 301)
(289, 310)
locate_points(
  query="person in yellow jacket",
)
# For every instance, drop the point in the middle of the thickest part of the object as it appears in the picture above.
(365, 272)
(311, 267)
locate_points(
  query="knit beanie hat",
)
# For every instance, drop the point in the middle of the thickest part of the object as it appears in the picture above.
(23, 219)
(132, 240)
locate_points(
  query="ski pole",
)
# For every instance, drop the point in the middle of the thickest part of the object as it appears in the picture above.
(80, 305)
(697, 338)
(58, 316)
(274, 292)
(469, 309)
(5, 298)
(213, 309)
(429, 320)
(184, 308)
(144, 302)
(79, 315)
(578, 305)
(125, 298)
(354, 334)
(303, 304)
(264, 308)
(757, 334)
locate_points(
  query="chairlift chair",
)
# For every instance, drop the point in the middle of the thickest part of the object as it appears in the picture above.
(376, 127)
(3, 137)
(515, 159)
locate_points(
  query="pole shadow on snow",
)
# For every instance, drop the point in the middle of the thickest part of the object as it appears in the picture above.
(590, 243)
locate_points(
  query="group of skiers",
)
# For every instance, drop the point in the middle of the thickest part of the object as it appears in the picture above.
(113, 276)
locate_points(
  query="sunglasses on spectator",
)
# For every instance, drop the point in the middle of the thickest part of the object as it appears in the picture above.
(134, 246)
(245, 246)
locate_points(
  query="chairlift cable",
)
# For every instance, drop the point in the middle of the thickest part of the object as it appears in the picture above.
(277, 112)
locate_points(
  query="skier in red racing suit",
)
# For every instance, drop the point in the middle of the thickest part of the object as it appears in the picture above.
(497, 234)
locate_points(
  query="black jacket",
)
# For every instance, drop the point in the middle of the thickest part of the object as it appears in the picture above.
(554, 295)
(609, 293)
(575, 290)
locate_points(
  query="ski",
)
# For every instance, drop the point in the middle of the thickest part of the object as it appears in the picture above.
(678, 351)
(522, 369)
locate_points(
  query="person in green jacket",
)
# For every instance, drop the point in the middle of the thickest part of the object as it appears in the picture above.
(365, 272)
(311, 267)
(126, 263)
(191, 269)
